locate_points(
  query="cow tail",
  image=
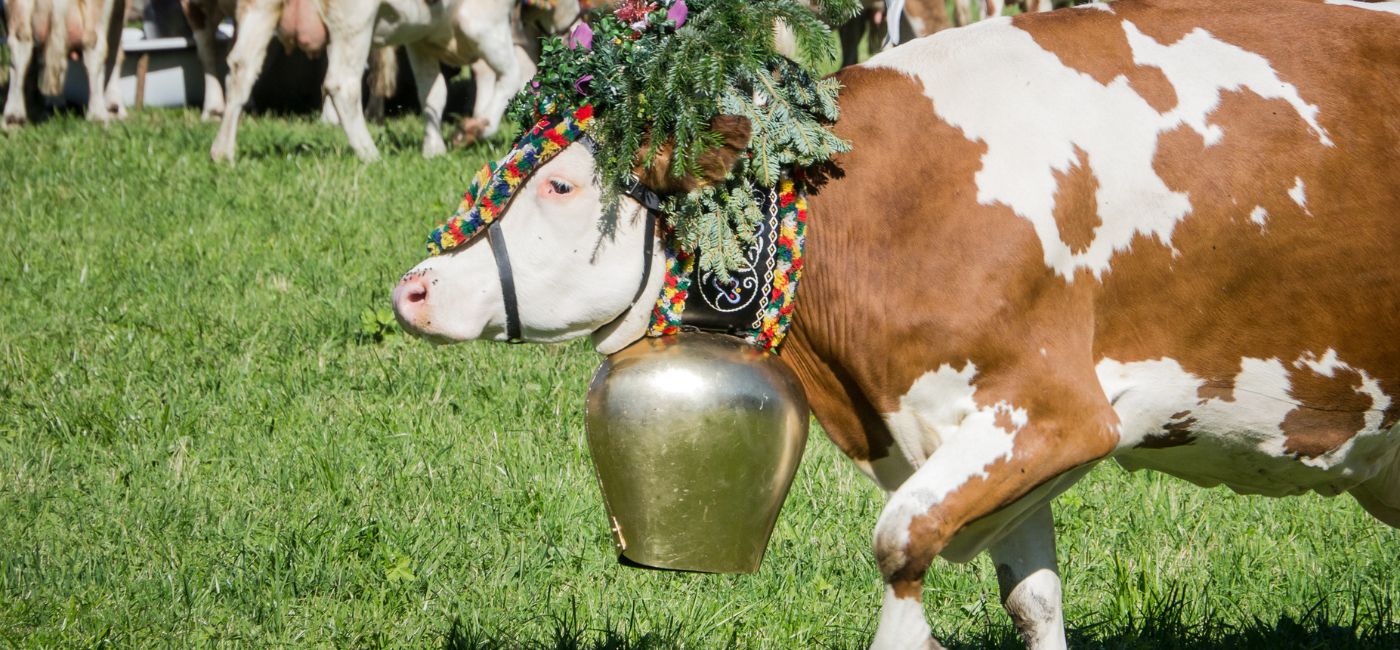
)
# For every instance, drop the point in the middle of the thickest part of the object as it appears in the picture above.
(383, 72)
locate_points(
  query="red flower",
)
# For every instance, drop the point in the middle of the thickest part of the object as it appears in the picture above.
(633, 11)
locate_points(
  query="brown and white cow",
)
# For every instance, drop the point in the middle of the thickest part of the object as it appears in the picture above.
(1156, 231)
(87, 28)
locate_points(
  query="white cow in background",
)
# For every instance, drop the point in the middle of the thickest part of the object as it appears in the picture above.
(457, 32)
(91, 28)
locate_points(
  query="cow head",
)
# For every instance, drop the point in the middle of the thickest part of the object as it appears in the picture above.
(576, 272)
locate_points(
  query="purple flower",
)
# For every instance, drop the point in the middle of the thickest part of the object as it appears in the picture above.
(678, 13)
(582, 84)
(582, 36)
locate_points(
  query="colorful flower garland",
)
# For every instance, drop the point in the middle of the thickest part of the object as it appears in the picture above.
(777, 315)
(495, 183)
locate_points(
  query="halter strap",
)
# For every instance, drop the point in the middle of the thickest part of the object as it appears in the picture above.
(503, 269)
(642, 194)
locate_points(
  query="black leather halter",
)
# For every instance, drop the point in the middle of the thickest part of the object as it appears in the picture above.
(640, 193)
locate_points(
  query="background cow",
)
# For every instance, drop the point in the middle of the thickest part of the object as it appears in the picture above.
(1181, 260)
(89, 28)
(454, 31)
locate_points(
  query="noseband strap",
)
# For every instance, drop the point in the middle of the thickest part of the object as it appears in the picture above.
(498, 250)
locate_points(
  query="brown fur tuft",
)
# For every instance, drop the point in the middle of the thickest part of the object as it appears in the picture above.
(715, 164)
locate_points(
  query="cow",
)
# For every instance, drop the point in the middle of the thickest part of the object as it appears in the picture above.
(457, 32)
(90, 29)
(1154, 231)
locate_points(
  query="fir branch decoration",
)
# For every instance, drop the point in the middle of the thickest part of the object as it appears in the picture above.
(662, 70)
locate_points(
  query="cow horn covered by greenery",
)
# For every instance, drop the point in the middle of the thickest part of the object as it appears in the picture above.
(665, 70)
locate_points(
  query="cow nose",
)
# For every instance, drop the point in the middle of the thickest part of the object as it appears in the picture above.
(410, 297)
(414, 290)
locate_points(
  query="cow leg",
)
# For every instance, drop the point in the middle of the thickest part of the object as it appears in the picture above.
(115, 57)
(1029, 580)
(21, 43)
(204, 18)
(993, 8)
(962, 12)
(1380, 495)
(850, 33)
(328, 114)
(95, 61)
(257, 19)
(346, 56)
(432, 96)
(992, 453)
(492, 35)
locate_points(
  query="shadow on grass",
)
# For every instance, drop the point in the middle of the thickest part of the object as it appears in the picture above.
(1363, 623)
(566, 635)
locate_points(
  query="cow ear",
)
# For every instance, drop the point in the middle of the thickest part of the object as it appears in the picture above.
(714, 165)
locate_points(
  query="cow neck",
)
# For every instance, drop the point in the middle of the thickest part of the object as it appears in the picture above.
(756, 300)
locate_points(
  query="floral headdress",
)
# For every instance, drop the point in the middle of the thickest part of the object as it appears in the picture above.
(663, 70)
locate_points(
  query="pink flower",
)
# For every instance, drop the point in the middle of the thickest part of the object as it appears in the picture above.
(582, 84)
(678, 13)
(582, 36)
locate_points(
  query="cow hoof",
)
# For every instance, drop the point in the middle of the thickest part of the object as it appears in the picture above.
(433, 147)
(469, 131)
(220, 156)
(13, 121)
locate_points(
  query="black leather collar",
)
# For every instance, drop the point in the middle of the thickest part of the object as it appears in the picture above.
(735, 306)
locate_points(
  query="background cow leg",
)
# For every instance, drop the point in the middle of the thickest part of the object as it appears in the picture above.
(993, 8)
(21, 43)
(850, 33)
(256, 21)
(1029, 580)
(347, 54)
(115, 55)
(432, 96)
(328, 114)
(95, 58)
(962, 12)
(491, 31)
(204, 18)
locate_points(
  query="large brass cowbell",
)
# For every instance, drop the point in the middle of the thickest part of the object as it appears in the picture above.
(695, 439)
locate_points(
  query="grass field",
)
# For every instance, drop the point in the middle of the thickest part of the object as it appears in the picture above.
(204, 441)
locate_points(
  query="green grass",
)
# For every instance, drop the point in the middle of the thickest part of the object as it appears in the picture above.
(202, 444)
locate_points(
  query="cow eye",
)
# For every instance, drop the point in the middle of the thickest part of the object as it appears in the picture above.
(560, 187)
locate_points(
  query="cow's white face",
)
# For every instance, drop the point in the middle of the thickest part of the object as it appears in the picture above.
(574, 275)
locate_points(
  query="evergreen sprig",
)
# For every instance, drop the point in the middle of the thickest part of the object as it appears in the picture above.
(662, 70)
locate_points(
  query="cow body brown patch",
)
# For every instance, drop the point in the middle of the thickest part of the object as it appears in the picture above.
(1076, 204)
(1094, 43)
(1331, 410)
